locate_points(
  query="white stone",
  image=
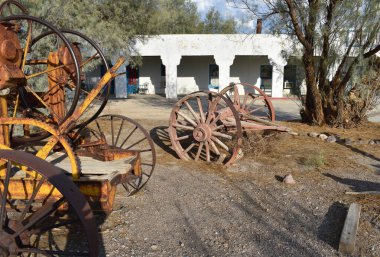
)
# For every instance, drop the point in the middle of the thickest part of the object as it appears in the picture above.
(313, 134)
(288, 179)
(323, 136)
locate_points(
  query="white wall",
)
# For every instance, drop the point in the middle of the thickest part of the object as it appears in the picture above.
(150, 72)
(193, 74)
(247, 69)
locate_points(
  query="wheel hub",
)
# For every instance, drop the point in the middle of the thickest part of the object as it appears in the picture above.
(202, 133)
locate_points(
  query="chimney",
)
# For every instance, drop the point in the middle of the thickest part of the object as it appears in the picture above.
(259, 26)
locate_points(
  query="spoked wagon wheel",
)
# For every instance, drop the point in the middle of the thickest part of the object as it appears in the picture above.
(121, 132)
(250, 100)
(43, 216)
(205, 126)
(91, 58)
(29, 95)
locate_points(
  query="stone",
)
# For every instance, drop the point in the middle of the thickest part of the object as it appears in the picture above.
(313, 134)
(154, 247)
(331, 139)
(347, 141)
(377, 142)
(323, 136)
(293, 133)
(288, 179)
(371, 142)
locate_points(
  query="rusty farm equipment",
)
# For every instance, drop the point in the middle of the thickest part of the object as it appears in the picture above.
(59, 159)
(211, 126)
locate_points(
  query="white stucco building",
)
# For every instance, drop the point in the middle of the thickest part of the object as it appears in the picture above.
(180, 64)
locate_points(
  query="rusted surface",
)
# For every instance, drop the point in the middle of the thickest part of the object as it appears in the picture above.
(198, 131)
(10, 58)
(14, 234)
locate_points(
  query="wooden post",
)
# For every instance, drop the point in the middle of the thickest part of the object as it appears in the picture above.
(348, 236)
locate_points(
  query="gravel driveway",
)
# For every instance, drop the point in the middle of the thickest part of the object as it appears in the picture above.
(195, 209)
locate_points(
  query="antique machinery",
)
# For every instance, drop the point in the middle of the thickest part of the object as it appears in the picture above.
(50, 110)
(211, 127)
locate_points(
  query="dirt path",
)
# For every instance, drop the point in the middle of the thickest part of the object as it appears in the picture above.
(194, 209)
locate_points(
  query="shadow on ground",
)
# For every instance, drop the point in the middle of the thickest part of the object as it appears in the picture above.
(330, 229)
(160, 136)
(355, 185)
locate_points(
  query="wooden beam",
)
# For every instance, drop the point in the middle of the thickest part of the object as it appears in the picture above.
(348, 236)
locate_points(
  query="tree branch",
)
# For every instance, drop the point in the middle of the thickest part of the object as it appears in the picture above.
(297, 28)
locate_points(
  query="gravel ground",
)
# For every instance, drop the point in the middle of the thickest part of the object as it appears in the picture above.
(193, 209)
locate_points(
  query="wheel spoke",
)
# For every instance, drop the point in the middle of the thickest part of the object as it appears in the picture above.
(199, 151)
(119, 132)
(5, 195)
(216, 140)
(244, 101)
(236, 96)
(192, 111)
(133, 131)
(201, 109)
(213, 146)
(89, 59)
(189, 148)
(34, 194)
(207, 147)
(183, 127)
(42, 213)
(187, 118)
(183, 138)
(134, 144)
(218, 134)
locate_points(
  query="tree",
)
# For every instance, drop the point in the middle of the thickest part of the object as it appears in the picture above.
(174, 17)
(215, 24)
(344, 34)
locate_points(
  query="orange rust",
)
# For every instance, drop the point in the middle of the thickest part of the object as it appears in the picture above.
(10, 58)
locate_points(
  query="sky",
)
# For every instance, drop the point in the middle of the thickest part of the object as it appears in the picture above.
(226, 10)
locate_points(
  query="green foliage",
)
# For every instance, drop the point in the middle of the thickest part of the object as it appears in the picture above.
(115, 24)
(314, 159)
(215, 24)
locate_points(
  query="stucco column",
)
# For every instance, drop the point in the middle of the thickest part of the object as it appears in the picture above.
(278, 64)
(224, 63)
(171, 62)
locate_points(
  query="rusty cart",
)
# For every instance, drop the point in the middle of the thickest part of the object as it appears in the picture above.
(211, 126)
(59, 159)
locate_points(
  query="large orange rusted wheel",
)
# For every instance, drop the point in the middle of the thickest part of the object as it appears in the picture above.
(205, 126)
(45, 215)
(251, 100)
(29, 94)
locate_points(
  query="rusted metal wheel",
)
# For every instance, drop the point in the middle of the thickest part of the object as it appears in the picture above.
(92, 58)
(45, 214)
(205, 126)
(251, 100)
(31, 97)
(11, 7)
(44, 149)
(120, 132)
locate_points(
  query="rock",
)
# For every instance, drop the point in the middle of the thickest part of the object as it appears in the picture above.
(371, 142)
(288, 179)
(323, 136)
(313, 134)
(377, 142)
(347, 141)
(331, 139)
(293, 133)
(154, 247)
(362, 142)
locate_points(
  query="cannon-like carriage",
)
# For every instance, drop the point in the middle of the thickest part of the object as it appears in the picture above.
(211, 126)
(59, 159)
